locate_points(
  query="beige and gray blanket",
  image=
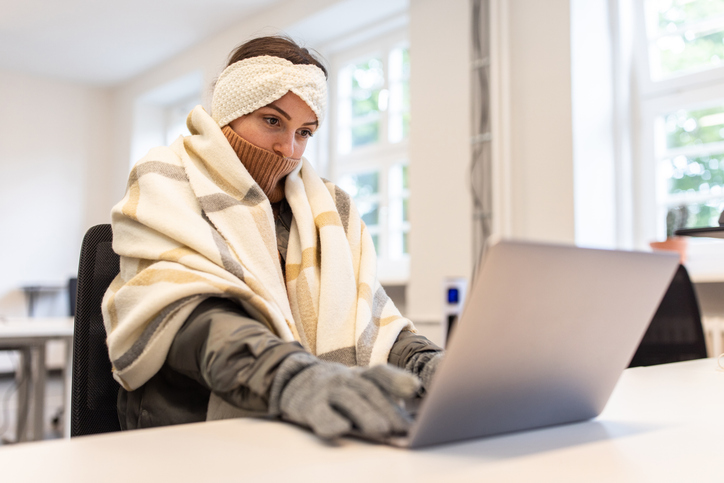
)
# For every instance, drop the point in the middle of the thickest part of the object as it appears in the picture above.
(194, 224)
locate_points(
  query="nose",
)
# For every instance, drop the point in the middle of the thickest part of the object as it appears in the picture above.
(284, 145)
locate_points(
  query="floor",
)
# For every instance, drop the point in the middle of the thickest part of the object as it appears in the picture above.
(53, 427)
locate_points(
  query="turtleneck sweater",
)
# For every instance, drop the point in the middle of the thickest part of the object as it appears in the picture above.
(268, 169)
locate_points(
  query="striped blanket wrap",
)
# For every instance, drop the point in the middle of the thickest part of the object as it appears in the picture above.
(193, 224)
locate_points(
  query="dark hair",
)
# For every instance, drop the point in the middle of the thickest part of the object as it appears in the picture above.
(276, 46)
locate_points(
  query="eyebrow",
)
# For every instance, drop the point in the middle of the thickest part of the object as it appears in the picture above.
(289, 118)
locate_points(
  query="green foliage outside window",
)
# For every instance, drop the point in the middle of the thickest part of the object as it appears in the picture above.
(364, 189)
(678, 13)
(689, 128)
(696, 35)
(367, 82)
(696, 174)
(364, 134)
(688, 36)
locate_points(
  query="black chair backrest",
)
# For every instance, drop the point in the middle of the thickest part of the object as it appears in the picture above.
(93, 400)
(675, 333)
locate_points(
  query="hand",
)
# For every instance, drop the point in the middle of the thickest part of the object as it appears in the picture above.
(334, 400)
(424, 365)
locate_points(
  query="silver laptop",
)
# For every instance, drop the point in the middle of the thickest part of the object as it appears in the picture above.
(545, 333)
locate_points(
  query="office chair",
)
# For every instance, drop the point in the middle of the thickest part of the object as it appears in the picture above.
(94, 392)
(675, 332)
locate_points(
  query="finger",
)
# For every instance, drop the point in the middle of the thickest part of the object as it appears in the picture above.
(325, 421)
(351, 402)
(397, 418)
(393, 381)
(428, 371)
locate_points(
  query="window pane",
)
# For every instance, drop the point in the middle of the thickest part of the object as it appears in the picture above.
(360, 184)
(704, 214)
(365, 134)
(364, 189)
(406, 243)
(685, 35)
(175, 119)
(399, 113)
(367, 81)
(687, 174)
(674, 14)
(398, 220)
(692, 167)
(359, 93)
(376, 242)
(370, 212)
(682, 53)
(694, 127)
(693, 215)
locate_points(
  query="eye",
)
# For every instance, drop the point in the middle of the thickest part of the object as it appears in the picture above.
(272, 121)
(306, 133)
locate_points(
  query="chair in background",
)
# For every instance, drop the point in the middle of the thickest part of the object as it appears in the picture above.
(675, 332)
(93, 400)
(72, 295)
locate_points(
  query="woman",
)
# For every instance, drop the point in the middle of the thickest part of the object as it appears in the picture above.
(248, 283)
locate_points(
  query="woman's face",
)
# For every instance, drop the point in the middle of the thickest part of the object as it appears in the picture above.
(282, 127)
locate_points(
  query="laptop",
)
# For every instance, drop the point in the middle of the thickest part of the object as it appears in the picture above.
(545, 333)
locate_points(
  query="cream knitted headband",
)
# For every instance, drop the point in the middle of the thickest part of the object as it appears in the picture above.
(249, 84)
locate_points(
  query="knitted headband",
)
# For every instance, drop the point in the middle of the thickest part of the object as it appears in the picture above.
(249, 84)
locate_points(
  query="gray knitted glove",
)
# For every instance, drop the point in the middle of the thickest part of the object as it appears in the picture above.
(334, 400)
(424, 365)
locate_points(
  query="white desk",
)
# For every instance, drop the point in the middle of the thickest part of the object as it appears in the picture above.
(662, 424)
(29, 336)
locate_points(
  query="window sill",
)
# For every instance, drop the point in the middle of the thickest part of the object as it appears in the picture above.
(705, 260)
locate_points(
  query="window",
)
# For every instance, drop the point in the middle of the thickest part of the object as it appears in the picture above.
(682, 111)
(159, 115)
(685, 46)
(684, 36)
(690, 161)
(368, 157)
(175, 118)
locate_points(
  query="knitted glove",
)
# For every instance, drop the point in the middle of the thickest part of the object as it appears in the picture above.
(333, 399)
(424, 365)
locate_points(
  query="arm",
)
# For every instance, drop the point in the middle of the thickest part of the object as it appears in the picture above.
(231, 354)
(242, 362)
(407, 346)
(416, 354)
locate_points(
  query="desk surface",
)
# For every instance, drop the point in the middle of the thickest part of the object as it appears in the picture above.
(36, 327)
(663, 423)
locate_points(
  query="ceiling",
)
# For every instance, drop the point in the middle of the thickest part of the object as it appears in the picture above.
(104, 43)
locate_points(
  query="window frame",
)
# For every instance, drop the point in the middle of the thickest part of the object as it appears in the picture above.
(692, 90)
(382, 156)
(682, 82)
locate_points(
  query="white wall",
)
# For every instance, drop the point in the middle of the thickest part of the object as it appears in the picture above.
(535, 163)
(53, 174)
(440, 203)
(593, 127)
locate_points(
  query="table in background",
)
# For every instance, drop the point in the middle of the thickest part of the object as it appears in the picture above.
(29, 336)
(663, 423)
(33, 292)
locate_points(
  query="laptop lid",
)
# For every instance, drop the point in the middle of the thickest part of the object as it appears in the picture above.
(545, 333)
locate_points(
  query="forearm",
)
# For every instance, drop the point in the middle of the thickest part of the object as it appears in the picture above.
(407, 346)
(416, 354)
(233, 355)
